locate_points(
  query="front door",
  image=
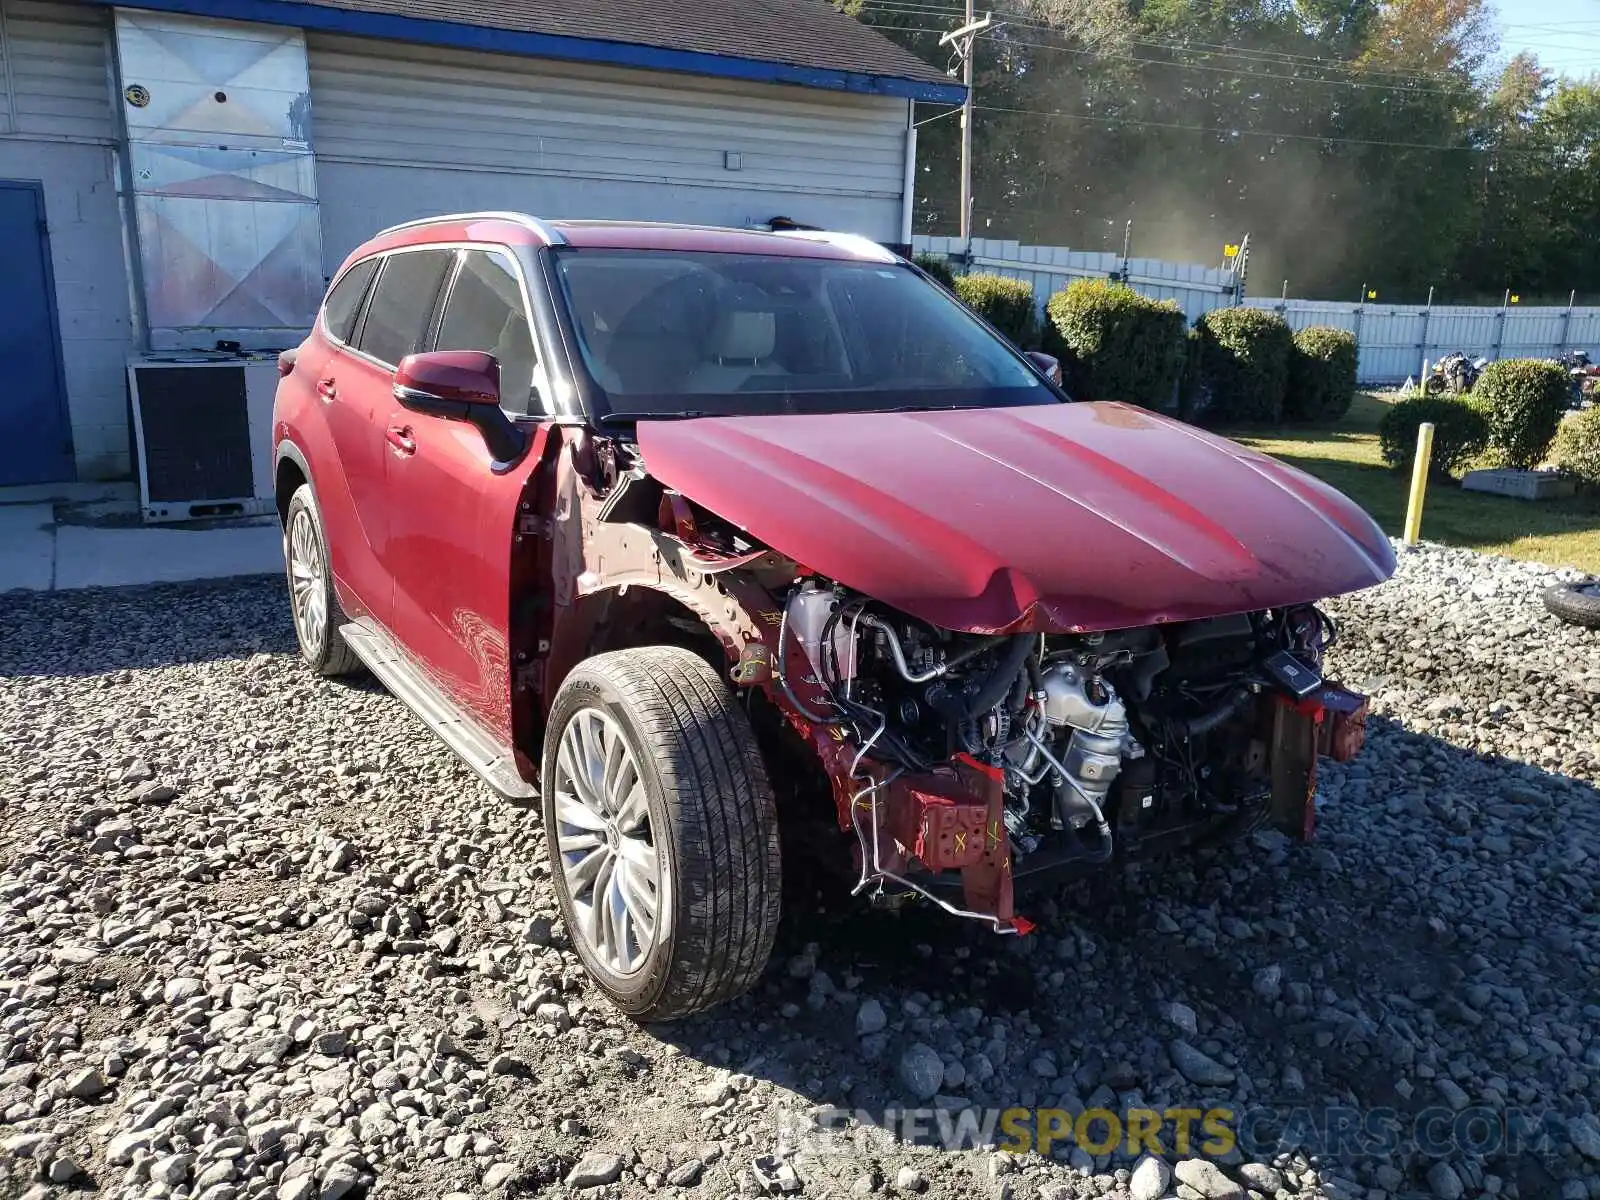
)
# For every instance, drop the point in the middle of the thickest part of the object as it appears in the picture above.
(35, 437)
(357, 387)
(452, 511)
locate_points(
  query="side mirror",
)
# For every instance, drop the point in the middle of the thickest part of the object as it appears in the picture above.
(1049, 366)
(459, 385)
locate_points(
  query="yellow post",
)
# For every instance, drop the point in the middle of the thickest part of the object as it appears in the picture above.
(1419, 482)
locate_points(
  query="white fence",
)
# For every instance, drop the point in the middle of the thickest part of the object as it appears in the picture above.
(1394, 338)
(1198, 289)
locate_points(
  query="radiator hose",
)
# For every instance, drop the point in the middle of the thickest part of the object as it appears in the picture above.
(1194, 727)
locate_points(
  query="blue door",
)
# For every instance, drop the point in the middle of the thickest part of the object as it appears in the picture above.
(35, 437)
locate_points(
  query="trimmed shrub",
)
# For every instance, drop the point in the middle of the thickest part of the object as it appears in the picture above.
(1322, 375)
(1007, 304)
(1460, 432)
(1578, 448)
(938, 266)
(1244, 363)
(1190, 385)
(1117, 344)
(1524, 400)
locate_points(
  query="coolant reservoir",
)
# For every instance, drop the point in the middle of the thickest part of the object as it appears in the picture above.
(809, 610)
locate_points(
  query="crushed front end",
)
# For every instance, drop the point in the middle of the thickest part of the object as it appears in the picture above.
(965, 766)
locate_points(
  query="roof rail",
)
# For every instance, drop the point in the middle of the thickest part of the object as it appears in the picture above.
(855, 243)
(550, 237)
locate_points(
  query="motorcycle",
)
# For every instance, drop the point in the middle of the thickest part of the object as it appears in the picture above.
(1454, 373)
(1585, 376)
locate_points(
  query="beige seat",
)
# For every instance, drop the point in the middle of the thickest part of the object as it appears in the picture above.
(740, 347)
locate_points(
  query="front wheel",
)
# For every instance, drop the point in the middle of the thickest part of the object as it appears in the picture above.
(662, 831)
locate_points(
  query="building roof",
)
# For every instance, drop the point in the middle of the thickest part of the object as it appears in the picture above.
(804, 42)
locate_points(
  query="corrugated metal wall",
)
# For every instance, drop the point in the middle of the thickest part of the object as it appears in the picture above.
(403, 131)
(1197, 288)
(1395, 339)
(56, 83)
(58, 127)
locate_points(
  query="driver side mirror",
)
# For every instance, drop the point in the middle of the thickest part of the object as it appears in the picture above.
(459, 385)
(1048, 365)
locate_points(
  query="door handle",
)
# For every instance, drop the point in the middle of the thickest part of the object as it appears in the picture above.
(399, 436)
(326, 389)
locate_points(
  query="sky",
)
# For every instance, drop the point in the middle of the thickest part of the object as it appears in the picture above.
(1565, 34)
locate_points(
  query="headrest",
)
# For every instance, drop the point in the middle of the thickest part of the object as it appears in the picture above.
(745, 336)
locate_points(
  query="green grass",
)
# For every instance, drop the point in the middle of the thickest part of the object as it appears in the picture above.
(1558, 532)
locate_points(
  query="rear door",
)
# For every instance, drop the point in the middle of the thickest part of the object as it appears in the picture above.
(452, 510)
(357, 389)
(314, 384)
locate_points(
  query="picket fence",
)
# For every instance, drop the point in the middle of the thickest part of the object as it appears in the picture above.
(1394, 339)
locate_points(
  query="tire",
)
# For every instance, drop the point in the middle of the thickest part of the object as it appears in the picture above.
(305, 562)
(695, 832)
(1433, 385)
(1578, 603)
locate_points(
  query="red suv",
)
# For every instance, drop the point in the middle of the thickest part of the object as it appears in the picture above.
(685, 529)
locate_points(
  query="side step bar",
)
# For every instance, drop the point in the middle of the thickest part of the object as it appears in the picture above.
(475, 746)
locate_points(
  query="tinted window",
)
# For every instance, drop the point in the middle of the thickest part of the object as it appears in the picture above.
(401, 302)
(681, 331)
(339, 312)
(484, 312)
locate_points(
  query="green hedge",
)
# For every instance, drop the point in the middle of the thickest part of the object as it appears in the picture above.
(1578, 447)
(1460, 432)
(1322, 374)
(1007, 304)
(938, 266)
(1244, 364)
(1524, 400)
(1115, 343)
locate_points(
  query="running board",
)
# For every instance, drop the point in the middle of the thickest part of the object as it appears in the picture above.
(492, 762)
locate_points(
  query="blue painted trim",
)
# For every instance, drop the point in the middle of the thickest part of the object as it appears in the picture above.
(545, 45)
(64, 464)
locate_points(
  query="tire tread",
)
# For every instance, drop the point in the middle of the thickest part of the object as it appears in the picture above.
(725, 819)
(1566, 602)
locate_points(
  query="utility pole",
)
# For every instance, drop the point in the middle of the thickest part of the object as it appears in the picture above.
(965, 41)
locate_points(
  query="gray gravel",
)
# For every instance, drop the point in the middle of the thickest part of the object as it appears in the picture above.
(261, 938)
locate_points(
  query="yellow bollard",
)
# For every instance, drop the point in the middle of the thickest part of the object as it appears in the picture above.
(1419, 482)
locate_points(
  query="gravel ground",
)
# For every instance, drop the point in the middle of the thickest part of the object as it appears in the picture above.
(261, 937)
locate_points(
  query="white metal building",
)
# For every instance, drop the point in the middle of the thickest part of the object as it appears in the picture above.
(190, 170)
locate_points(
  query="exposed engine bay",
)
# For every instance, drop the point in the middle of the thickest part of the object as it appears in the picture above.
(1092, 744)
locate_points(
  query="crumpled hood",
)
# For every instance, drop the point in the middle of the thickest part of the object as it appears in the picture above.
(1063, 517)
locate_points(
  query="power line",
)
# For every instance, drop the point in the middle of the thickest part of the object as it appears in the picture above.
(916, 8)
(1235, 132)
(1183, 66)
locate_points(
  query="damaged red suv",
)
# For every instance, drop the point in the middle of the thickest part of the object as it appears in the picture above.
(681, 528)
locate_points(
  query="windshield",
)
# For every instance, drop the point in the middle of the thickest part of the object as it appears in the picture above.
(667, 332)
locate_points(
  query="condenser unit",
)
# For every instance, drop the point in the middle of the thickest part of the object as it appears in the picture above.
(202, 430)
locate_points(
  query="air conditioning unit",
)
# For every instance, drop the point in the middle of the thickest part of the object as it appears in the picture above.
(202, 430)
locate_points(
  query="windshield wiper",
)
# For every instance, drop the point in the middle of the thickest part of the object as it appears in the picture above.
(664, 415)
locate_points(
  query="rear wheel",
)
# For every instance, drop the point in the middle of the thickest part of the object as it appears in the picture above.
(1576, 602)
(662, 831)
(317, 615)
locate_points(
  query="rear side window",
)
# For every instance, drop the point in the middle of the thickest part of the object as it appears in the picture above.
(484, 312)
(397, 315)
(339, 311)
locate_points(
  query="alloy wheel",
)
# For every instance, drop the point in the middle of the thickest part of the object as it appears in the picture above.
(608, 856)
(309, 592)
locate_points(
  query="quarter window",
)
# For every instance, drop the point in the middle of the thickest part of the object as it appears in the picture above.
(397, 316)
(344, 301)
(485, 312)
